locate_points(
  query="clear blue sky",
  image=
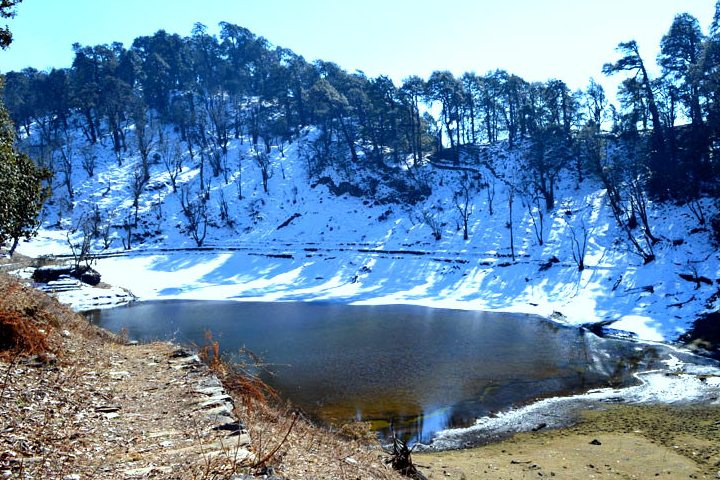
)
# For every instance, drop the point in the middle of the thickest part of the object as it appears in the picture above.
(536, 39)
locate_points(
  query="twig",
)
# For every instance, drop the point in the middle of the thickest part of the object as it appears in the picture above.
(272, 453)
(6, 380)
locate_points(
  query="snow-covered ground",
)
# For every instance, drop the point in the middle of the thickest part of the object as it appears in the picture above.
(353, 250)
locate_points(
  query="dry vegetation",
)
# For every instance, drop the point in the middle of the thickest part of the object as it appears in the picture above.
(77, 402)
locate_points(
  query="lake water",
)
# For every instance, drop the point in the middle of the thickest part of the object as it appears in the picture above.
(423, 369)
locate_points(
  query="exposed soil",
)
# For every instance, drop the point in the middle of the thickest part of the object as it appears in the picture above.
(617, 442)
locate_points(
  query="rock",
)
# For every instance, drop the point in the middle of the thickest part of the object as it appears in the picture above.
(107, 409)
(50, 273)
(230, 427)
(218, 400)
(146, 471)
(181, 353)
(72, 476)
(596, 442)
(351, 461)
(87, 275)
(54, 273)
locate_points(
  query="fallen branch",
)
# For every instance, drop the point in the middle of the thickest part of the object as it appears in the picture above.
(695, 279)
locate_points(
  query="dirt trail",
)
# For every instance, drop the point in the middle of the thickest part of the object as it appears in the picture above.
(112, 411)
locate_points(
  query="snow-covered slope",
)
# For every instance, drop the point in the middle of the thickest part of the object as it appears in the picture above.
(301, 242)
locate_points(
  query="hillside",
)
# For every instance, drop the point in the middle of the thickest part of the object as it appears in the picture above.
(363, 234)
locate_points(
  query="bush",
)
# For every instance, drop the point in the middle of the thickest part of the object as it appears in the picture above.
(20, 336)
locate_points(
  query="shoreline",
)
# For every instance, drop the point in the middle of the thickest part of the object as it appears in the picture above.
(616, 441)
(684, 380)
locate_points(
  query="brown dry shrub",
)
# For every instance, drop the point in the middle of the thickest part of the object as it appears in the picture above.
(25, 325)
(237, 375)
(19, 335)
(30, 321)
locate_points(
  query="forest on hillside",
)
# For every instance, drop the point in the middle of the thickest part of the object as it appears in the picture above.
(661, 143)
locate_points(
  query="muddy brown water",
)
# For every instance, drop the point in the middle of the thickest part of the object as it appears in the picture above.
(420, 369)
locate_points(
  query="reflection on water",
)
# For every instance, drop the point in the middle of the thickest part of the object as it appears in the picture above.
(420, 369)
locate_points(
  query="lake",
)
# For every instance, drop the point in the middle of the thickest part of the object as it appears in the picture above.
(422, 369)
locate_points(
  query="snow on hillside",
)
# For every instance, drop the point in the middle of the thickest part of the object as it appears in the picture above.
(301, 242)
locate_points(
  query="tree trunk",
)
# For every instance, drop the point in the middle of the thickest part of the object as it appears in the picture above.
(13, 247)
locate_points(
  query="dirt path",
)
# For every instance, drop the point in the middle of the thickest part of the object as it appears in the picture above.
(112, 411)
(627, 442)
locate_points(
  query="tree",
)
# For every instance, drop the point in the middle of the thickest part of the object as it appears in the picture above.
(411, 93)
(659, 161)
(23, 187)
(463, 199)
(596, 104)
(195, 209)
(332, 108)
(7, 10)
(680, 52)
(710, 72)
(549, 153)
(443, 87)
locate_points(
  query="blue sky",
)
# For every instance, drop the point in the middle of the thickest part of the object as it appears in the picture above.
(536, 39)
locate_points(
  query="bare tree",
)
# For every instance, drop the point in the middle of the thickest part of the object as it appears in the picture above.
(431, 218)
(262, 159)
(238, 178)
(216, 108)
(511, 199)
(639, 203)
(145, 140)
(137, 186)
(89, 160)
(215, 157)
(81, 250)
(697, 210)
(579, 241)
(128, 227)
(196, 212)
(490, 192)
(225, 211)
(463, 200)
(537, 216)
(66, 168)
(104, 234)
(172, 160)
